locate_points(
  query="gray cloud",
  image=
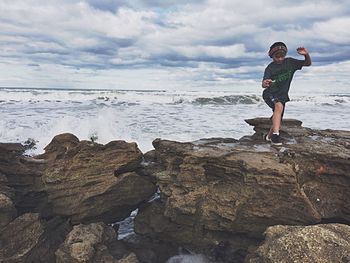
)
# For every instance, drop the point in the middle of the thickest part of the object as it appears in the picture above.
(115, 34)
(114, 5)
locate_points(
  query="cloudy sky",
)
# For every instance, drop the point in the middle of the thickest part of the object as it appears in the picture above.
(159, 44)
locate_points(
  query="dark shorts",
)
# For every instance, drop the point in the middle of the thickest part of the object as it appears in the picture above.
(271, 102)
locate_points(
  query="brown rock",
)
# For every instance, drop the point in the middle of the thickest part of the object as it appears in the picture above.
(218, 191)
(20, 183)
(304, 244)
(288, 127)
(321, 161)
(230, 189)
(131, 258)
(60, 146)
(90, 182)
(87, 243)
(31, 239)
(9, 151)
(7, 210)
(86, 181)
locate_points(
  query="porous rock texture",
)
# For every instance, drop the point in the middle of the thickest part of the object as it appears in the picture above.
(219, 195)
(215, 196)
(87, 243)
(73, 182)
(304, 244)
(30, 238)
(91, 182)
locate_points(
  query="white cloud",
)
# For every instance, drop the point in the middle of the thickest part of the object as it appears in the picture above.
(76, 25)
(232, 51)
(334, 30)
(209, 42)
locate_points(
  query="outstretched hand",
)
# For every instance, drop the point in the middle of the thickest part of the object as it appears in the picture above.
(302, 51)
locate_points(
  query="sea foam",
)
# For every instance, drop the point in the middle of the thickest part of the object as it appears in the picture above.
(142, 116)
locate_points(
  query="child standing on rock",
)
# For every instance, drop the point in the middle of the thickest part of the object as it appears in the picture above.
(276, 82)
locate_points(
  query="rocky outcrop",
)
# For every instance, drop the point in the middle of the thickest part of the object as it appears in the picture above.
(30, 238)
(21, 189)
(309, 244)
(85, 181)
(90, 182)
(73, 182)
(7, 210)
(289, 128)
(215, 196)
(321, 159)
(219, 195)
(87, 243)
(95, 242)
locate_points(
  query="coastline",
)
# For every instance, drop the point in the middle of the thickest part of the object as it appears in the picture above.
(217, 197)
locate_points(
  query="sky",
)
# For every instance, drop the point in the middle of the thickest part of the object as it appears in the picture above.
(169, 45)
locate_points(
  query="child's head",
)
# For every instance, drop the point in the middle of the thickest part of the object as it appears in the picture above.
(278, 51)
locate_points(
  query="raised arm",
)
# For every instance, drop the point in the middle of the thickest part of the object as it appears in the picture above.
(303, 51)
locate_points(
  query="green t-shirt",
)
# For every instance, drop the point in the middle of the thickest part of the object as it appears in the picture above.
(282, 74)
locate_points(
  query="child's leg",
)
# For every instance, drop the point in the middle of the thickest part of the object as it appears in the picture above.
(276, 118)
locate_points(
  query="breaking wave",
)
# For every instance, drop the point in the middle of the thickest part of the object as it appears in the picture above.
(229, 100)
(142, 116)
(135, 97)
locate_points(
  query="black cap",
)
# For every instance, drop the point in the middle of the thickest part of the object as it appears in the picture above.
(277, 46)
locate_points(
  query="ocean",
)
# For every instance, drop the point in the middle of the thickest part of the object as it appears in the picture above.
(142, 115)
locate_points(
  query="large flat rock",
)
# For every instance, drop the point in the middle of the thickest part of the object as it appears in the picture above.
(220, 191)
